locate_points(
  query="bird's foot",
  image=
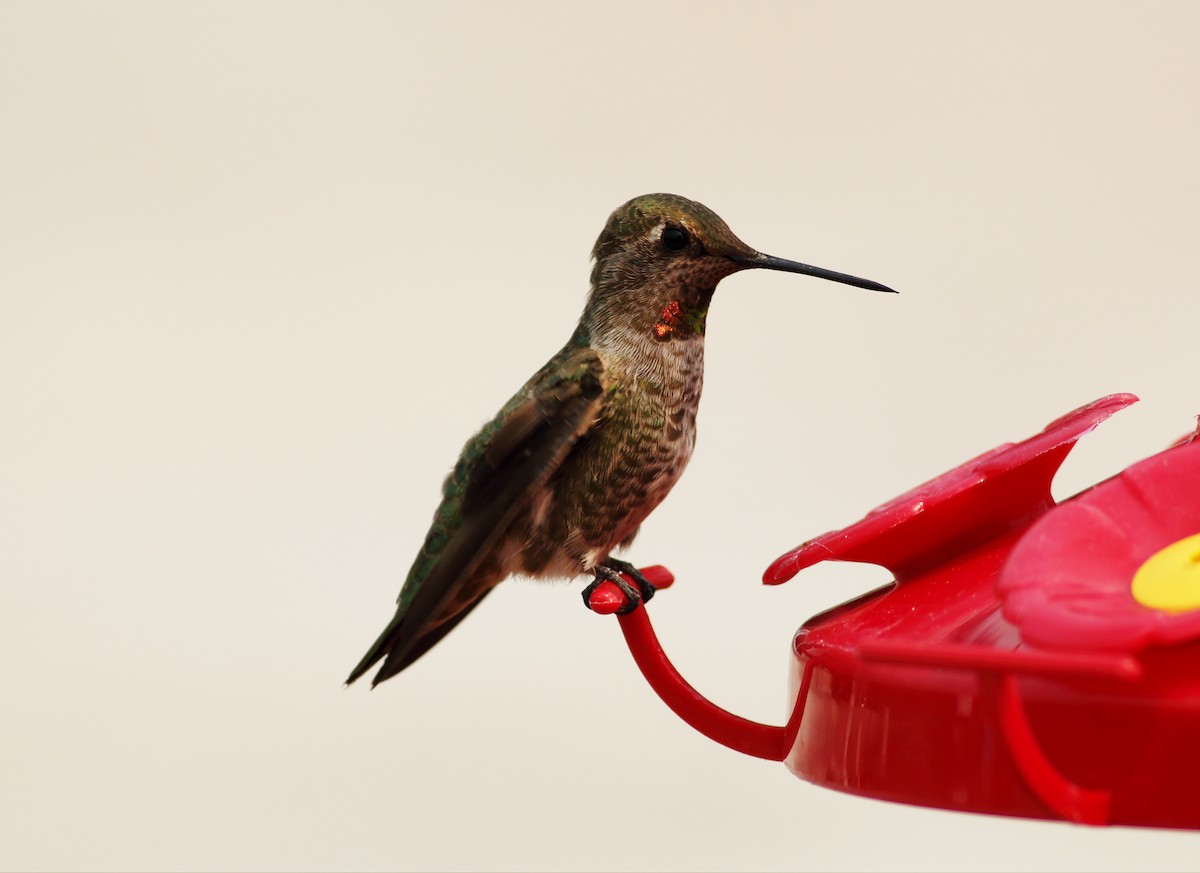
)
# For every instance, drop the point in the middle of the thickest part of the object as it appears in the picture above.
(610, 571)
(645, 588)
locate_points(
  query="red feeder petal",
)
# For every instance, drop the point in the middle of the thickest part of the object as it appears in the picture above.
(1067, 582)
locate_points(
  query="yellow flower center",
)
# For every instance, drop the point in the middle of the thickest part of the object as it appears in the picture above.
(1170, 578)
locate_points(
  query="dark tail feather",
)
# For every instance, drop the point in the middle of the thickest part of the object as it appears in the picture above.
(399, 650)
(378, 649)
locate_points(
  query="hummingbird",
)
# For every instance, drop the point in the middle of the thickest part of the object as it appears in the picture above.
(571, 466)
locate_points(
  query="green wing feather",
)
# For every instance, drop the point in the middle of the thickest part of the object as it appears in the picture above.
(500, 470)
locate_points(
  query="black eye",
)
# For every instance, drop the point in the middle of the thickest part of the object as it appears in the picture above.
(674, 238)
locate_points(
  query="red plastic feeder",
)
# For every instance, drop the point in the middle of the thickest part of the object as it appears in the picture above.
(1030, 659)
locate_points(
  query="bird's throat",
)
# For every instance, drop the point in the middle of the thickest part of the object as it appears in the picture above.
(679, 319)
(651, 313)
(682, 318)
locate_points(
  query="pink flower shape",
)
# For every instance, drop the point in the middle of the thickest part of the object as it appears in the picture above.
(1067, 582)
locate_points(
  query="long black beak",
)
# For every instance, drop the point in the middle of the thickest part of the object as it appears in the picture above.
(770, 263)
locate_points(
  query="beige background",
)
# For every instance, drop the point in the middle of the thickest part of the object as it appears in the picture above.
(263, 268)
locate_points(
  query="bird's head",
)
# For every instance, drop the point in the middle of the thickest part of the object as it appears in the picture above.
(659, 259)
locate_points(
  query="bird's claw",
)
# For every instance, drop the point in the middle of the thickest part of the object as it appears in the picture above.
(612, 572)
(645, 588)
